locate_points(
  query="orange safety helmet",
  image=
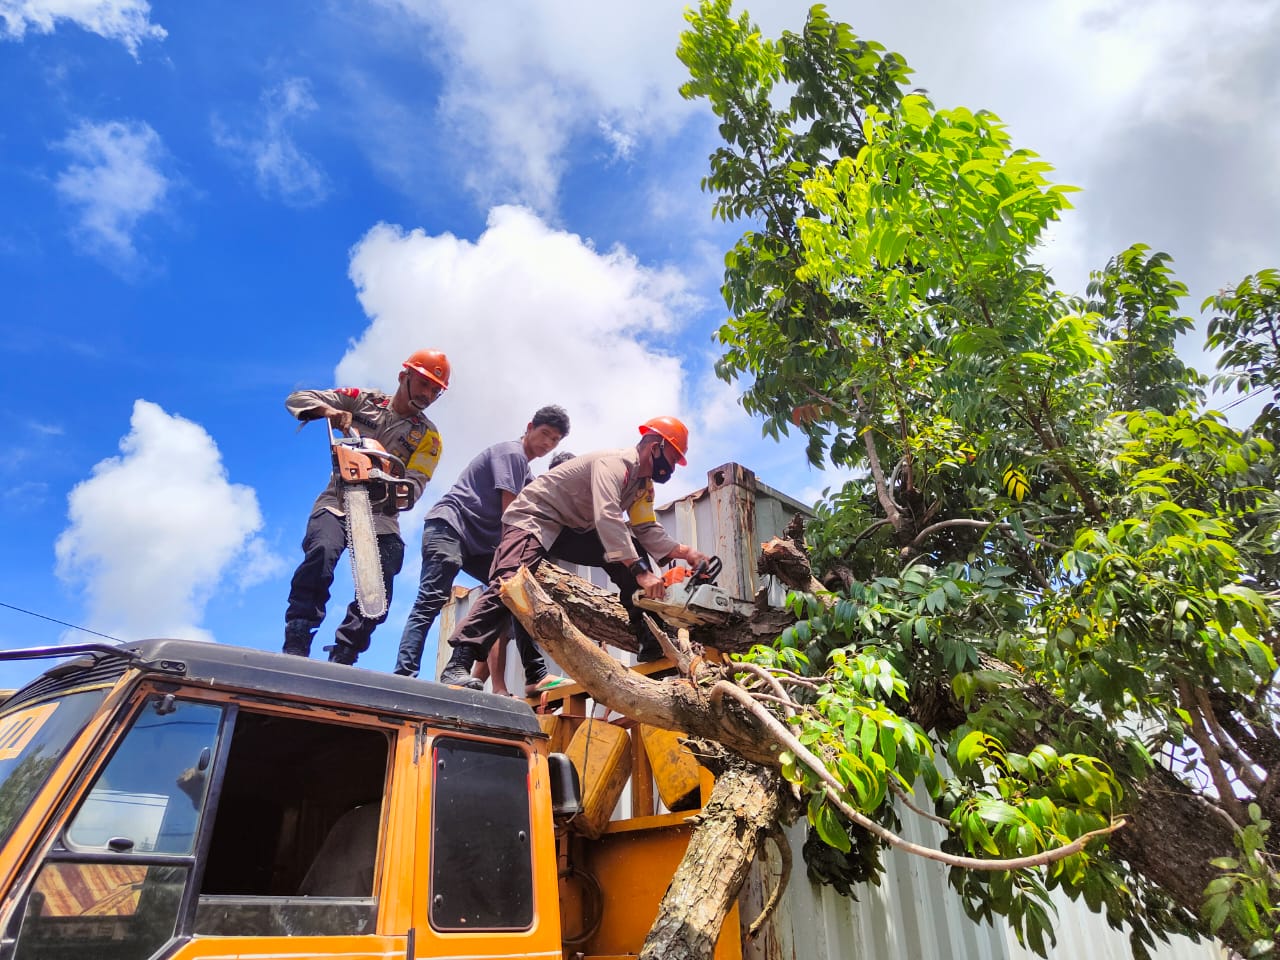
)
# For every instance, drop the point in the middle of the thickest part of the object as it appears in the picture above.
(432, 364)
(671, 430)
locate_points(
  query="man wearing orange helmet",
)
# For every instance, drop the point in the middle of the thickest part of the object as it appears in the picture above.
(398, 423)
(595, 510)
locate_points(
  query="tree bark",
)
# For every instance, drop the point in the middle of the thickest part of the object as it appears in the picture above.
(745, 806)
(594, 611)
(680, 703)
(598, 614)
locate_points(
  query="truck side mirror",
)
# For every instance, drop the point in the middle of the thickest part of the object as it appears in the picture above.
(566, 790)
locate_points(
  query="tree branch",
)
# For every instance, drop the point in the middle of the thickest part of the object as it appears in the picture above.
(834, 789)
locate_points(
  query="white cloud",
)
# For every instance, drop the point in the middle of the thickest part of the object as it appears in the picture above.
(125, 20)
(279, 167)
(153, 531)
(115, 181)
(1108, 91)
(523, 80)
(528, 315)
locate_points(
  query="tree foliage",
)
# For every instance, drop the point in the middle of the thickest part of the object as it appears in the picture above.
(1056, 567)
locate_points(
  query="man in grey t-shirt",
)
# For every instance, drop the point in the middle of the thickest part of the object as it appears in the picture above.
(462, 530)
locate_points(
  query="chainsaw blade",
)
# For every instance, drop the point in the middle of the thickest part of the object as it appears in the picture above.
(362, 544)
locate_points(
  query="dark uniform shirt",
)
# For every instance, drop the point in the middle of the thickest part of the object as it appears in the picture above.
(413, 439)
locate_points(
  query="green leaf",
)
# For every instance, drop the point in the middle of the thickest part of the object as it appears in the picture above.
(830, 828)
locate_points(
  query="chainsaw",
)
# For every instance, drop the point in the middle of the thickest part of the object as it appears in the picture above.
(692, 599)
(366, 476)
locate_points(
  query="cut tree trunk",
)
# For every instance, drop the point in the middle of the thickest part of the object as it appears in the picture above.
(745, 807)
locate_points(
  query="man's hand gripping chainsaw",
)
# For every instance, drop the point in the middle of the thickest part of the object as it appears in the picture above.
(692, 598)
(366, 475)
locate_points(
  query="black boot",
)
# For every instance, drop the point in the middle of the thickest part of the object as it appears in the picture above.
(650, 650)
(457, 672)
(341, 653)
(297, 638)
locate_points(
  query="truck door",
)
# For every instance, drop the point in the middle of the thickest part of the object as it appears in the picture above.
(487, 887)
(219, 828)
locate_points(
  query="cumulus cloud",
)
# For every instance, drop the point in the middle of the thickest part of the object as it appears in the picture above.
(1146, 104)
(128, 21)
(155, 530)
(280, 168)
(528, 315)
(114, 181)
(521, 85)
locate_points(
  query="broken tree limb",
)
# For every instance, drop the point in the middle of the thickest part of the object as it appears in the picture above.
(597, 613)
(744, 809)
(594, 610)
(682, 704)
(677, 704)
(786, 560)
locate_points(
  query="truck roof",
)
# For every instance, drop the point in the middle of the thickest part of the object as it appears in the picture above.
(282, 677)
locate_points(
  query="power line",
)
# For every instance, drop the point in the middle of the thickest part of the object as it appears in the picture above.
(73, 626)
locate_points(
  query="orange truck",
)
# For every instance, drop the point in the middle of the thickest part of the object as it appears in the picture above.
(181, 799)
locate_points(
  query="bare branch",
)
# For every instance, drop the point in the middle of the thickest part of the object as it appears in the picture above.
(1240, 764)
(784, 857)
(905, 799)
(1204, 740)
(833, 790)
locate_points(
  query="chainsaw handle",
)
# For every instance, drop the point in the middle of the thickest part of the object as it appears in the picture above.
(708, 570)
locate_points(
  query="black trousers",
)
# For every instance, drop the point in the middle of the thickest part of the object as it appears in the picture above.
(489, 617)
(322, 545)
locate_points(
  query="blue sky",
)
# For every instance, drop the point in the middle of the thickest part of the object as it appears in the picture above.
(204, 206)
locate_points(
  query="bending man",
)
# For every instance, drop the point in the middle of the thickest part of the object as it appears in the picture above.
(595, 510)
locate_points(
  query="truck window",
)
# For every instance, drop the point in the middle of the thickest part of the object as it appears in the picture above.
(32, 740)
(276, 818)
(138, 823)
(295, 837)
(481, 853)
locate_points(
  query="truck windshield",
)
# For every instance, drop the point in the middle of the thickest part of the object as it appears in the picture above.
(33, 737)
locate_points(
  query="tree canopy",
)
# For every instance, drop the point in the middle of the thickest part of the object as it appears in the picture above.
(1056, 567)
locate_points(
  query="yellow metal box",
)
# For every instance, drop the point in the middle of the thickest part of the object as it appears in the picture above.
(602, 753)
(675, 770)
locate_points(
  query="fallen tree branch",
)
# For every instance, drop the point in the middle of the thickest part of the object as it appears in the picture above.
(833, 790)
(746, 805)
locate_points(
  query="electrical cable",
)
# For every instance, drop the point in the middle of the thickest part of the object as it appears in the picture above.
(63, 623)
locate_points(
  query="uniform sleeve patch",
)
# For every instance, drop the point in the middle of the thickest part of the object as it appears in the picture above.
(348, 391)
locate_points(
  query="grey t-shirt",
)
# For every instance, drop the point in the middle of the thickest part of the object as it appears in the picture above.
(473, 505)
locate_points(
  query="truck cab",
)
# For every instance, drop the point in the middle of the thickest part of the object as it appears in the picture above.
(184, 799)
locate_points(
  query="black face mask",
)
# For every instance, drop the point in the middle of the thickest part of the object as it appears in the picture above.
(662, 469)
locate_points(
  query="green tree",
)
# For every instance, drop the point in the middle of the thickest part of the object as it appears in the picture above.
(1057, 567)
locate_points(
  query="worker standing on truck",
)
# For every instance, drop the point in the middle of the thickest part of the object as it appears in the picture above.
(461, 533)
(398, 423)
(595, 510)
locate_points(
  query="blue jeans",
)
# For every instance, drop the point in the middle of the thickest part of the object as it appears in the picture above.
(442, 558)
